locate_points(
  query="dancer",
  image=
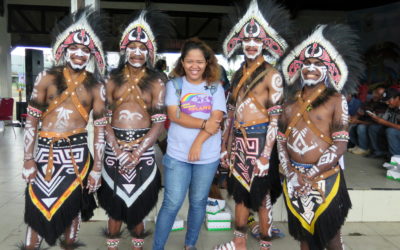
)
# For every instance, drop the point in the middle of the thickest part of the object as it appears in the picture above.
(60, 175)
(254, 109)
(313, 136)
(135, 98)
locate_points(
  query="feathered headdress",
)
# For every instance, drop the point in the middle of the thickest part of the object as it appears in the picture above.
(336, 47)
(263, 19)
(82, 27)
(147, 27)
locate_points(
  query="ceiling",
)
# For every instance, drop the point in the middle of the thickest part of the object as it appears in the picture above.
(31, 22)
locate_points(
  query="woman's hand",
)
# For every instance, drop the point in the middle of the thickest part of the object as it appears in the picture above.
(212, 125)
(195, 151)
(224, 159)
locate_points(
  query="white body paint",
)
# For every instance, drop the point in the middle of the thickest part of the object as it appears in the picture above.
(277, 85)
(246, 102)
(299, 145)
(103, 93)
(329, 156)
(345, 111)
(29, 134)
(127, 115)
(100, 144)
(62, 117)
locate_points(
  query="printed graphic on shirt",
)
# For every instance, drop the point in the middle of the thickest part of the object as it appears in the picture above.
(196, 102)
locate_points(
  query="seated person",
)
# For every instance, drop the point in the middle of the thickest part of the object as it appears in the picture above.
(360, 122)
(387, 126)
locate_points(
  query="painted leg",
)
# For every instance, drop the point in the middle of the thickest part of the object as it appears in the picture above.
(32, 239)
(239, 235)
(336, 243)
(114, 231)
(304, 245)
(138, 237)
(71, 234)
(265, 215)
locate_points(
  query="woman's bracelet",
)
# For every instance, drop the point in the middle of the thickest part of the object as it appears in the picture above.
(203, 125)
(29, 159)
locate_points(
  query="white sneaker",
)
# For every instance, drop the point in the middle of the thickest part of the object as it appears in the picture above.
(360, 151)
(352, 149)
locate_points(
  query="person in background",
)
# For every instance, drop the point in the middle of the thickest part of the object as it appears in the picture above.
(386, 127)
(361, 121)
(195, 105)
(161, 66)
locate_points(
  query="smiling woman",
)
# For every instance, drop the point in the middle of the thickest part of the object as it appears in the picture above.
(197, 63)
(194, 139)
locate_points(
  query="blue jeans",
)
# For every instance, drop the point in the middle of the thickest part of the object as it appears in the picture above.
(179, 177)
(393, 139)
(359, 135)
(376, 134)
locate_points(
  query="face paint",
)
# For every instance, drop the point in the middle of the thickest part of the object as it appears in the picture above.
(252, 43)
(137, 52)
(77, 52)
(310, 68)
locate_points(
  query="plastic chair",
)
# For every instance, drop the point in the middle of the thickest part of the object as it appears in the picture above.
(6, 112)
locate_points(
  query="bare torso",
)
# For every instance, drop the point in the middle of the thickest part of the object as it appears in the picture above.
(130, 114)
(267, 93)
(65, 117)
(304, 145)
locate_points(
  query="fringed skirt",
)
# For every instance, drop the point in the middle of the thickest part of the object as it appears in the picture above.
(242, 184)
(314, 218)
(129, 197)
(51, 206)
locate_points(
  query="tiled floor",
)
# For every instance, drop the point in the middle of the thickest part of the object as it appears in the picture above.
(361, 173)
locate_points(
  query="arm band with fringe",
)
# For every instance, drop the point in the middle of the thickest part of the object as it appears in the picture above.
(34, 112)
(158, 118)
(340, 136)
(281, 136)
(101, 122)
(275, 110)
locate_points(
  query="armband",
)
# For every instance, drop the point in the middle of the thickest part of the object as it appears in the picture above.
(275, 110)
(340, 136)
(231, 107)
(281, 136)
(101, 122)
(158, 118)
(109, 113)
(34, 112)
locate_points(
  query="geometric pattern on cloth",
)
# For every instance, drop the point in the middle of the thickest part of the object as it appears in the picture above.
(49, 196)
(129, 186)
(245, 156)
(307, 209)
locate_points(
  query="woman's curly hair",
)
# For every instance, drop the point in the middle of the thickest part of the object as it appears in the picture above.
(212, 71)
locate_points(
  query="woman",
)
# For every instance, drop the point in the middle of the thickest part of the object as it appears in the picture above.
(195, 106)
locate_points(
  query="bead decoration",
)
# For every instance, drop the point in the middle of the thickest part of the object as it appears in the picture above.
(158, 118)
(275, 110)
(100, 122)
(34, 112)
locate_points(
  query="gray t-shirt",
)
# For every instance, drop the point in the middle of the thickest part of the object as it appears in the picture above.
(198, 102)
